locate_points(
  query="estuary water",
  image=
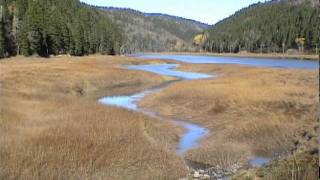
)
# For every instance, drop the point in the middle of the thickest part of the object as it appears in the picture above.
(257, 62)
(193, 133)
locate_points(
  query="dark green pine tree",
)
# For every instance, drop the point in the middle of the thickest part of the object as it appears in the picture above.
(2, 32)
(34, 23)
(66, 38)
(54, 32)
(265, 27)
(52, 27)
(23, 41)
(78, 40)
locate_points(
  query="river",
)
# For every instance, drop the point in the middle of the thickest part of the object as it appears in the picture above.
(194, 133)
(257, 62)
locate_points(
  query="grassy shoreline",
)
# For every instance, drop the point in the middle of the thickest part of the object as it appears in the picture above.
(248, 55)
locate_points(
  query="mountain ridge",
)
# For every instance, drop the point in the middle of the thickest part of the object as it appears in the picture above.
(154, 32)
(205, 25)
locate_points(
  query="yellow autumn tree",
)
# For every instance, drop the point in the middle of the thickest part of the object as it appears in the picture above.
(198, 39)
(179, 46)
(300, 42)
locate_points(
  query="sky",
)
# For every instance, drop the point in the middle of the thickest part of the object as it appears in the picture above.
(207, 11)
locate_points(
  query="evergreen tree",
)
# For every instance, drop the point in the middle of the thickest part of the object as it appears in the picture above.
(2, 32)
(24, 46)
(266, 27)
(51, 27)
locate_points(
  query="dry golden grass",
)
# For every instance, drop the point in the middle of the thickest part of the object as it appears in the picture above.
(52, 127)
(298, 166)
(251, 111)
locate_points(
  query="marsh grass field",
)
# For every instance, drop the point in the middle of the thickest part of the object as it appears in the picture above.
(252, 112)
(53, 127)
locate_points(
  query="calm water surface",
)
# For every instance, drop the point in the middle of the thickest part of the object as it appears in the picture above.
(259, 161)
(170, 70)
(258, 62)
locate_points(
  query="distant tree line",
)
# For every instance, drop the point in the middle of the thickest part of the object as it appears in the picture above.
(274, 26)
(52, 27)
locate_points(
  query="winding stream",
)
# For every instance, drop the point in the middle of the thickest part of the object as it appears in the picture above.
(193, 133)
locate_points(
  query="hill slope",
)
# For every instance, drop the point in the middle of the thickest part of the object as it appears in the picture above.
(45, 27)
(155, 32)
(271, 26)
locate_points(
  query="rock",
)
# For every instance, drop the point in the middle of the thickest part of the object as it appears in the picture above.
(309, 136)
(196, 174)
(206, 176)
(213, 174)
(293, 52)
(201, 171)
(219, 172)
(185, 178)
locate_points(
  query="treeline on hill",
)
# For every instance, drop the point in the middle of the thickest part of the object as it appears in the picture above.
(51, 27)
(274, 26)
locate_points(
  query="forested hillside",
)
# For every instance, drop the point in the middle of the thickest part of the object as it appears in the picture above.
(274, 26)
(46, 27)
(155, 32)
